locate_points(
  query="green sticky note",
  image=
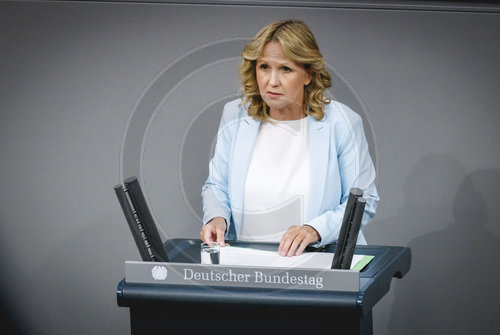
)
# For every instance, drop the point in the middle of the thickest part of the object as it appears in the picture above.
(363, 262)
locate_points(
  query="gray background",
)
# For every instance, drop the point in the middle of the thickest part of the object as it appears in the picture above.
(91, 93)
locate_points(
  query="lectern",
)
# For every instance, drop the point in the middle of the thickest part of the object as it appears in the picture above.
(239, 309)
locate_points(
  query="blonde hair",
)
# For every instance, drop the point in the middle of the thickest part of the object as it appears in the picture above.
(300, 46)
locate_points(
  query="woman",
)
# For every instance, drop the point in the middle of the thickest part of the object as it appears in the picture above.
(286, 156)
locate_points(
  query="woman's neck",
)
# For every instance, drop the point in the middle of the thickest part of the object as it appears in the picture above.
(287, 114)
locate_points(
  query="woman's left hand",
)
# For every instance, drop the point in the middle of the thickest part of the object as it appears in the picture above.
(296, 239)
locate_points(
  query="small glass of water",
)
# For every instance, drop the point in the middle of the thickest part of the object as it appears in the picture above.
(210, 252)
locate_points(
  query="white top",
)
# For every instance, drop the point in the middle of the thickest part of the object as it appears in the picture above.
(277, 185)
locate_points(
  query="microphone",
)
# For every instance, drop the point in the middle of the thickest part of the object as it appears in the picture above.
(354, 194)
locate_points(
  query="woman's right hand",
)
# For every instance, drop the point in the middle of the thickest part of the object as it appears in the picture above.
(214, 231)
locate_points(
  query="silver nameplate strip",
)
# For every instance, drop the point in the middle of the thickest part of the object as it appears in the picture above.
(241, 276)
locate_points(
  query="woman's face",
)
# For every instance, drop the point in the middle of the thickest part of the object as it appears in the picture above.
(281, 82)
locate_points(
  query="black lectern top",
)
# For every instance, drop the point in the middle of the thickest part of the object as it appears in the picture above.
(375, 280)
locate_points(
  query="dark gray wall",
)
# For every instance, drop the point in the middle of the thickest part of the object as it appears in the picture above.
(91, 93)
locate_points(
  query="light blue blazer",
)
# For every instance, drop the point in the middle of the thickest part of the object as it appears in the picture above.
(339, 160)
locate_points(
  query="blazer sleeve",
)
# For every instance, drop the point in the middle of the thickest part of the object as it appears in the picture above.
(355, 169)
(215, 191)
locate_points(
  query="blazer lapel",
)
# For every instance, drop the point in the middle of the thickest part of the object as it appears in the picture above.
(243, 148)
(319, 146)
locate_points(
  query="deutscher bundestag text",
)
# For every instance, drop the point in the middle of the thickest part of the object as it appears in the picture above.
(255, 277)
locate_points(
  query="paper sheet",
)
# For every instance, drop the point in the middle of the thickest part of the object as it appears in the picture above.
(230, 255)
